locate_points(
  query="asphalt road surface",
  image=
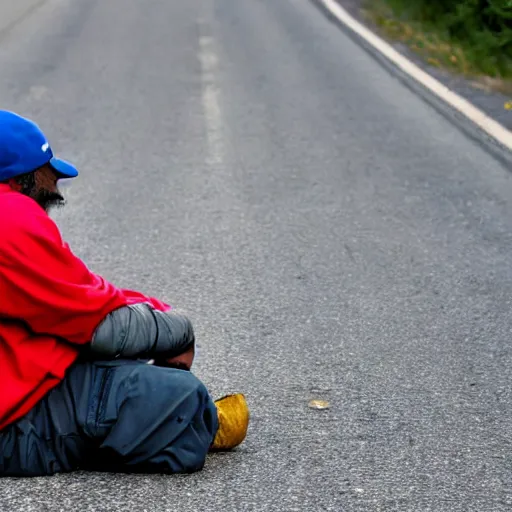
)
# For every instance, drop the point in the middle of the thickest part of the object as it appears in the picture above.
(330, 234)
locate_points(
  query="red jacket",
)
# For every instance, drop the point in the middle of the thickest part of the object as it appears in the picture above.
(50, 303)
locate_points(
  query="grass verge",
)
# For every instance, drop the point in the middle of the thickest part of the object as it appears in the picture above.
(434, 45)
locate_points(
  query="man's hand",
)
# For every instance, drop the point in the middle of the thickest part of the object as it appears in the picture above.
(182, 362)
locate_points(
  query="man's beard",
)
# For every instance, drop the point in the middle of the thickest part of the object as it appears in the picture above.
(48, 200)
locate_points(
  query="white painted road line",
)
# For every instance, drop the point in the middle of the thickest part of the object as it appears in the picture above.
(487, 124)
(210, 100)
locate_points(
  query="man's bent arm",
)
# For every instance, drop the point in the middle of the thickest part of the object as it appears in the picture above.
(45, 286)
(141, 331)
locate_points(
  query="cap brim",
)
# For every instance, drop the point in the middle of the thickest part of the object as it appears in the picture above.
(64, 168)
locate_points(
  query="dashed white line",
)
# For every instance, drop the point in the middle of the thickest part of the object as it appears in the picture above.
(210, 99)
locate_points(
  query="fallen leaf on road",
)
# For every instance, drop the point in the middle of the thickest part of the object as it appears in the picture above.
(319, 404)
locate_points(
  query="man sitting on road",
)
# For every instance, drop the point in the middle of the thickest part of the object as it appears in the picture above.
(77, 385)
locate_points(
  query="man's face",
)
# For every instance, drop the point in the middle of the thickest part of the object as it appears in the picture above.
(41, 185)
(47, 193)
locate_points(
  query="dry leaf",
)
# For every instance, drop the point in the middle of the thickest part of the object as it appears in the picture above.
(319, 404)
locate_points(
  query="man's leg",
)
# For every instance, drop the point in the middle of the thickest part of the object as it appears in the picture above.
(153, 419)
(119, 416)
(47, 439)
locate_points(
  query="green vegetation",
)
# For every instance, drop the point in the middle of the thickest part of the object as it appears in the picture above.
(472, 37)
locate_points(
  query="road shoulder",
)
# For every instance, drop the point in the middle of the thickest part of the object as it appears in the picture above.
(486, 108)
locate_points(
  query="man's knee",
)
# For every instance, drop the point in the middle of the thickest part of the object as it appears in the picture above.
(166, 418)
(169, 388)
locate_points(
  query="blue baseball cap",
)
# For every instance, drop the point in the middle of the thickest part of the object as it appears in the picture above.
(24, 148)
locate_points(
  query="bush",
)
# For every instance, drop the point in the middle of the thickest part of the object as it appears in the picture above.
(482, 27)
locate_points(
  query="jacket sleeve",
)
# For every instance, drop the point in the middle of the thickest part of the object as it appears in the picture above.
(141, 331)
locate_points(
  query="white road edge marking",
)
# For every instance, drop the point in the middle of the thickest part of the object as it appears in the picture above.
(489, 125)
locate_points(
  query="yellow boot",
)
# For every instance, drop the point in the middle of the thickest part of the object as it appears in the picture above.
(233, 414)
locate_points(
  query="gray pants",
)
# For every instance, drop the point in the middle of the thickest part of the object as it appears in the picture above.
(123, 416)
